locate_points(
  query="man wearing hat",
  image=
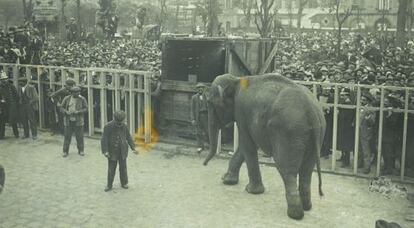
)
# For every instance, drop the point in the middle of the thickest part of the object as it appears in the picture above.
(390, 134)
(58, 97)
(74, 106)
(114, 145)
(9, 102)
(366, 129)
(346, 129)
(28, 101)
(199, 116)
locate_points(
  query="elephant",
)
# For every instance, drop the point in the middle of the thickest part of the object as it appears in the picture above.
(280, 117)
(2, 178)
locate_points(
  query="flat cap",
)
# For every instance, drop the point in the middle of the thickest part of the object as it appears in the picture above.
(70, 81)
(75, 89)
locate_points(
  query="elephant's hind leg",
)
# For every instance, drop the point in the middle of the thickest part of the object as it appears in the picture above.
(294, 202)
(231, 177)
(288, 157)
(305, 177)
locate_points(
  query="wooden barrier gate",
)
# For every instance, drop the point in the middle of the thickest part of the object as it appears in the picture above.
(118, 89)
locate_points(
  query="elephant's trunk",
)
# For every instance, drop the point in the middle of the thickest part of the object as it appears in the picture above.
(213, 130)
(2, 178)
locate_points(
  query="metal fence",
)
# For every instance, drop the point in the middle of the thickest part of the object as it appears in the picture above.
(407, 111)
(106, 90)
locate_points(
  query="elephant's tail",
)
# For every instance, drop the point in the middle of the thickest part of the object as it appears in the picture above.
(319, 140)
(318, 168)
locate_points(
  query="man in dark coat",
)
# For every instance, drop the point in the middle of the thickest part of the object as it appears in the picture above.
(346, 129)
(29, 101)
(114, 145)
(74, 106)
(199, 116)
(390, 135)
(366, 132)
(10, 104)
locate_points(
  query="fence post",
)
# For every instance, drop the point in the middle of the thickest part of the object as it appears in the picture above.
(357, 122)
(15, 71)
(404, 145)
(117, 95)
(103, 101)
(28, 73)
(131, 105)
(64, 75)
(41, 98)
(91, 122)
(52, 78)
(140, 108)
(147, 110)
(335, 127)
(76, 75)
(380, 129)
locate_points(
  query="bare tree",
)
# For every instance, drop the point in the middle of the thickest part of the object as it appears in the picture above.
(27, 10)
(301, 5)
(213, 23)
(246, 6)
(163, 13)
(264, 17)
(401, 21)
(78, 17)
(335, 6)
(9, 12)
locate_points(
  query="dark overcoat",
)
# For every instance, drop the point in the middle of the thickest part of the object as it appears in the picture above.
(9, 93)
(109, 142)
(346, 129)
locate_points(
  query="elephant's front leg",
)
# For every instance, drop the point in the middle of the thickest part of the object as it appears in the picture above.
(248, 150)
(295, 209)
(231, 177)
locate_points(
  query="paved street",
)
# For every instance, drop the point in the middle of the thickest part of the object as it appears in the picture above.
(166, 190)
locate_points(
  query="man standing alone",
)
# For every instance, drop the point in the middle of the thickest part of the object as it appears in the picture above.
(74, 106)
(199, 116)
(29, 101)
(114, 145)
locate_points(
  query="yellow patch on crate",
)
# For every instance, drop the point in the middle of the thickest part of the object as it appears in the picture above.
(139, 137)
(243, 83)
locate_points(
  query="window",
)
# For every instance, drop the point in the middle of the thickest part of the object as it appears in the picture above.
(383, 4)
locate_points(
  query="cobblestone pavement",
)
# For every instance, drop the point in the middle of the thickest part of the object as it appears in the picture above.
(166, 190)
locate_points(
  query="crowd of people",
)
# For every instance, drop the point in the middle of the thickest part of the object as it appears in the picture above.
(117, 54)
(365, 60)
(20, 44)
(24, 45)
(370, 59)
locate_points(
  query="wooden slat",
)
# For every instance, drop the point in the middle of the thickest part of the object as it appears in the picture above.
(90, 105)
(241, 60)
(269, 59)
